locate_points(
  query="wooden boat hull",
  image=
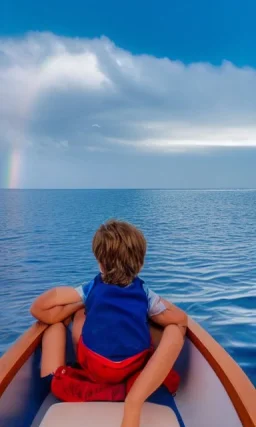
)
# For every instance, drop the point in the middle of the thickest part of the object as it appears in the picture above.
(214, 390)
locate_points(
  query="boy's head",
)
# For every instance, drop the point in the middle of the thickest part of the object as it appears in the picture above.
(120, 248)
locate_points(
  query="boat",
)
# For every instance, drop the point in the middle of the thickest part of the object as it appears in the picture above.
(214, 391)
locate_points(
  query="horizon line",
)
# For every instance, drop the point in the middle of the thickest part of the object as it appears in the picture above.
(133, 188)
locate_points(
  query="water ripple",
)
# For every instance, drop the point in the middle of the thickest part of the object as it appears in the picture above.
(201, 254)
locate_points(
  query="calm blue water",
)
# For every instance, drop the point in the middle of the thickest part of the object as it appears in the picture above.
(201, 254)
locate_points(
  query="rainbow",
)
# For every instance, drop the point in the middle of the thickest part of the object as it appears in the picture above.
(13, 170)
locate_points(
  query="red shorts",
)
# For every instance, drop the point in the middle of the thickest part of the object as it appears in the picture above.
(102, 370)
(102, 379)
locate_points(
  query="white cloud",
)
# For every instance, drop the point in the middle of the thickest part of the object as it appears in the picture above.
(59, 89)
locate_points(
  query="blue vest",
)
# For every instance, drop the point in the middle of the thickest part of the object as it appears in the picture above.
(116, 325)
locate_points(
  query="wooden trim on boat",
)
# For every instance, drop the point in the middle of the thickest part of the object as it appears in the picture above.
(239, 388)
(18, 354)
(237, 385)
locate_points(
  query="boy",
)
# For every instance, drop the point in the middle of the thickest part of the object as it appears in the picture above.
(113, 339)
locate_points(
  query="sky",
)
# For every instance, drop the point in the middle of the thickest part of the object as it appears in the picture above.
(158, 94)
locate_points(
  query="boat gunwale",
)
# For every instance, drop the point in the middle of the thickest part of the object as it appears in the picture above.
(239, 388)
(237, 385)
(17, 355)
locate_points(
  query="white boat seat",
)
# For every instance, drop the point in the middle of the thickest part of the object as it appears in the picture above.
(104, 414)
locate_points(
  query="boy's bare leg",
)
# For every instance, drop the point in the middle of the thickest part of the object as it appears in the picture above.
(78, 322)
(53, 349)
(153, 375)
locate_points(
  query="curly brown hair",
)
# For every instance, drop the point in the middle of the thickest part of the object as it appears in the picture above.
(120, 249)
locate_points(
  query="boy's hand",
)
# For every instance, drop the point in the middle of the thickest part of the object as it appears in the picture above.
(56, 305)
(131, 417)
(67, 321)
(172, 316)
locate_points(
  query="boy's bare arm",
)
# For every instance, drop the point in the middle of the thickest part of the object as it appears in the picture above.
(56, 304)
(153, 374)
(174, 321)
(172, 316)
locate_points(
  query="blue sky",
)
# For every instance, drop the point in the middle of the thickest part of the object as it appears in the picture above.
(154, 94)
(188, 30)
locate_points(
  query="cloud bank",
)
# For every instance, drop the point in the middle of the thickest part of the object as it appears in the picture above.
(60, 93)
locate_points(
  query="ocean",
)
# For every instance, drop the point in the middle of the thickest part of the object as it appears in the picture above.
(201, 254)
